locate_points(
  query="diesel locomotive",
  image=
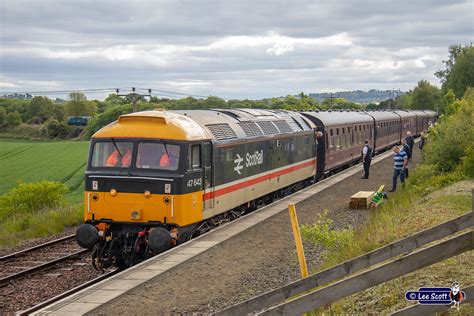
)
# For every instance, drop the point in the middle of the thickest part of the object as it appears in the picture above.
(155, 179)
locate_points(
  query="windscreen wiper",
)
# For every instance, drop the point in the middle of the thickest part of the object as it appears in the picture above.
(166, 149)
(115, 145)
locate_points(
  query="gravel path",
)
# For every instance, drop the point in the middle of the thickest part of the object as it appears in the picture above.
(251, 263)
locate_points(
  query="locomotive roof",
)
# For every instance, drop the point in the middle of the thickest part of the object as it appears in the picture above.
(154, 124)
(221, 125)
(331, 118)
(236, 124)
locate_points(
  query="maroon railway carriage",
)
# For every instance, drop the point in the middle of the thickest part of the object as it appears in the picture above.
(421, 121)
(386, 129)
(344, 134)
(408, 123)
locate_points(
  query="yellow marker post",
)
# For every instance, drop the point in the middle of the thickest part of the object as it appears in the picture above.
(298, 241)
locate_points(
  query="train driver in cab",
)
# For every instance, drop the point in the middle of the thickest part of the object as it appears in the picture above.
(170, 157)
(120, 157)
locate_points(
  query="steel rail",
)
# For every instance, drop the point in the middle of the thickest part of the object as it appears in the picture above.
(67, 293)
(34, 248)
(23, 273)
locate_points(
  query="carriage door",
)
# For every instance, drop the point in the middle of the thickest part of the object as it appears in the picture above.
(208, 175)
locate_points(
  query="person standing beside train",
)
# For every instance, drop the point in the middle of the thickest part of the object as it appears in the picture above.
(406, 148)
(400, 162)
(366, 158)
(411, 142)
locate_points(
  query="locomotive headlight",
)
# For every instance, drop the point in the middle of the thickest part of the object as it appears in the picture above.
(135, 215)
(147, 194)
(95, 197)
(166, 200)
(113, 192)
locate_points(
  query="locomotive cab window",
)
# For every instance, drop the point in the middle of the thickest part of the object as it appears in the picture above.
(112, 154)
(194, 157)
(153, 155)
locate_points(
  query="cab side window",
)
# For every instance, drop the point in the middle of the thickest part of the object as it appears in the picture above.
(194, 157)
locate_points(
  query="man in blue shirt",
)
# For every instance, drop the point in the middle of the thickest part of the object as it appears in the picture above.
(400, 161)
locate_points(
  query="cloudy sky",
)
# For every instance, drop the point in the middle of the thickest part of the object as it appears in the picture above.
(232, 49)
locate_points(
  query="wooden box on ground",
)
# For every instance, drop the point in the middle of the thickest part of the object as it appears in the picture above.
(361, 199)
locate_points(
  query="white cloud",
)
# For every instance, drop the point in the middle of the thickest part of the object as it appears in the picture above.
(8, 85)
(243, 49)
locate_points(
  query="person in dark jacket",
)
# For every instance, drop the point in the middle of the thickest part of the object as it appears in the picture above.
(407, 150)
(366, 158)
(411, 142)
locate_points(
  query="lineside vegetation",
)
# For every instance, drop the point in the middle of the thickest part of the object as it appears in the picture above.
(426, 200)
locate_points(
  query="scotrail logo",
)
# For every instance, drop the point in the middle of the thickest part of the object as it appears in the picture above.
(438, 295)
(256, 158)
(239, 166)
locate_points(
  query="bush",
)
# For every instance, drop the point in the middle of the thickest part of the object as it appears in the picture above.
(467, 167)
(322, 233)
(449, 141)
(13, 119)
(23, 131)
(55, 129)
(32, 197)
(3, 115)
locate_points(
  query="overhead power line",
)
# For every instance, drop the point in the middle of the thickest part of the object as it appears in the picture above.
(177, 93)
(60, 91)
(101, 90)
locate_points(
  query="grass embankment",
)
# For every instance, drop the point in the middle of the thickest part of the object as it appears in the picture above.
(31, 207)
(426, 201)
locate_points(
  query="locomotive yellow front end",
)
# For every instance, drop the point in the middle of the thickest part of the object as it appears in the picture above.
(143, 187)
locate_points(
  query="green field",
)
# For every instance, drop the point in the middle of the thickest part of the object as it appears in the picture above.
(31, 161)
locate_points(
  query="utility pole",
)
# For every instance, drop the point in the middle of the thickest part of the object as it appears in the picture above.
(135, 97)
(330, 98)
(390, 107)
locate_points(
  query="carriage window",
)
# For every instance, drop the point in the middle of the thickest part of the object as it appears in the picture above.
(194, 158)
(116, 154)
(331, 131)
(343, 130)
(337, 131)
(157, 156)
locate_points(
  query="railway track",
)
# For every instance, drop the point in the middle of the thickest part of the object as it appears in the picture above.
(66, 293)
(38, 258)
(44, 272)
